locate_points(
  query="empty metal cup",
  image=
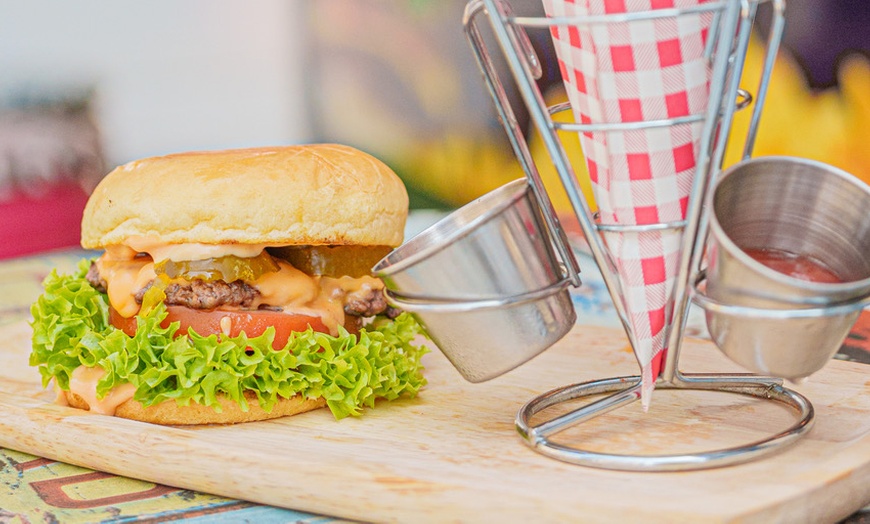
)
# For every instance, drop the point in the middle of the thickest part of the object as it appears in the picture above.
(796, 206)
(494, 247)
(485, 282)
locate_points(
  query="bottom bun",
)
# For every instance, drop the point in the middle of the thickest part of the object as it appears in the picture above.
(170, 413)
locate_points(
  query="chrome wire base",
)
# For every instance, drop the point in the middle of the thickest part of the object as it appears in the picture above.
(625, 390)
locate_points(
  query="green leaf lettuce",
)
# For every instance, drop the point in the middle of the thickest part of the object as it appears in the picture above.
(71, 329)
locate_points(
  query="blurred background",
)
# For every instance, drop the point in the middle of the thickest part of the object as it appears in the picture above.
(88, 85)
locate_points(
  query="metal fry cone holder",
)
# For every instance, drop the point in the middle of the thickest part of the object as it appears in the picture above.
(726, 49)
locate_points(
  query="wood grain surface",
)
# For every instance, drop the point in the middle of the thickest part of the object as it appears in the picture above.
(453, 455)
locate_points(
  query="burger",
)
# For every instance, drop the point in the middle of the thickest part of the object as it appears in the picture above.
(232, 286)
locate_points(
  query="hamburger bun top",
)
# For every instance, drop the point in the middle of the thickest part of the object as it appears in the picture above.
(321, 194)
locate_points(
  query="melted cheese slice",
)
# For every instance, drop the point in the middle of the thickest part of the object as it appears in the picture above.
(126, 273)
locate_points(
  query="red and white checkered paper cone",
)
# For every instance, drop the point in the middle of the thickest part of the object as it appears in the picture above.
(628, 72)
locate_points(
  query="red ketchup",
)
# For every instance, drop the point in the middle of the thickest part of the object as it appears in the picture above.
(793, 265)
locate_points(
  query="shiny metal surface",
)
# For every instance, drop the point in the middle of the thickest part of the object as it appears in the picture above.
(802, 207)
(484, 339)
(625, 390)
(792, 348)
(494, 247)
(786, 343)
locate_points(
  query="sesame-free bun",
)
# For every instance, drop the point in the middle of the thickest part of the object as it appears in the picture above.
(170, 413)
(322, 194)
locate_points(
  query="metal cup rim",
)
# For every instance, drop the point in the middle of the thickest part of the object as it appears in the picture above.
(384, 268)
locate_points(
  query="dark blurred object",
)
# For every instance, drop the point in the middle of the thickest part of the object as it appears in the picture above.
(821, 33)
(50, 160)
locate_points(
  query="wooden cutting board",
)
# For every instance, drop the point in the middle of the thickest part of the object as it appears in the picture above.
(453, 454)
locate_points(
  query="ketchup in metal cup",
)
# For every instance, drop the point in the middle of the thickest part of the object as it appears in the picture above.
(794, 265)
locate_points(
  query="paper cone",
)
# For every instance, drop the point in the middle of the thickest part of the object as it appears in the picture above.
(629, 72)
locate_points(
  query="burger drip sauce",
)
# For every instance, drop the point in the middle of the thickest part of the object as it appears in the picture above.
(794, 265)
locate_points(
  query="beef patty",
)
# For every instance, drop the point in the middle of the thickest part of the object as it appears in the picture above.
(200, 294)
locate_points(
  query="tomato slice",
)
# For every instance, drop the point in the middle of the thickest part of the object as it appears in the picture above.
(253, 323)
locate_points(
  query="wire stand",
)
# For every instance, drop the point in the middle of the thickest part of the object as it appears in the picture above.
(727, 55)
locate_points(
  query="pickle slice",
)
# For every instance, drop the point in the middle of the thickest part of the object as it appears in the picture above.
(332, 261)
(155, 294)
(227, 268)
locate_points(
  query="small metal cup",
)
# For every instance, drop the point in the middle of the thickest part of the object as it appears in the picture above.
(799, 206)
(485, 283)
(494, 247)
